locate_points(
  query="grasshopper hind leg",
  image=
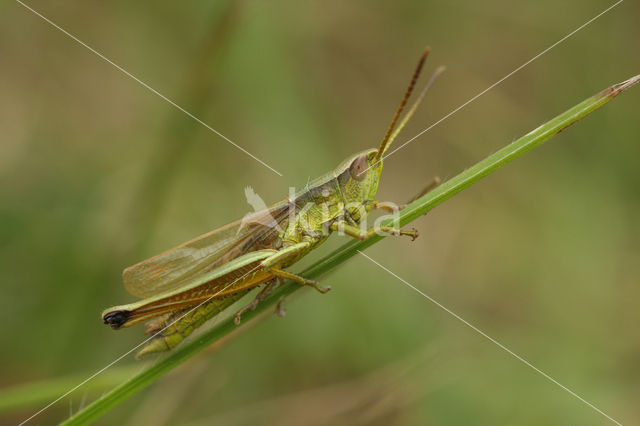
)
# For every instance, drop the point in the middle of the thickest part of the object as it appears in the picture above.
(169, 330)
(280, 276)
(254, 303)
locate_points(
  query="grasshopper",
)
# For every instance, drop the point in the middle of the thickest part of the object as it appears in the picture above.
(189, 284)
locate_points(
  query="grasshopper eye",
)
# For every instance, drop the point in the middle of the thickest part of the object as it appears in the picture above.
(358, 168)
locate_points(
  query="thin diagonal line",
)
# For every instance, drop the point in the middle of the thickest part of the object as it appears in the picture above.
(502, 79)
(500, 345)
(128, 74)
(100, 371)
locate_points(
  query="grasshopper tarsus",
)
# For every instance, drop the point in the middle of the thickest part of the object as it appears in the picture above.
(280, 309)
(251, 306)
(323, 290)
(254, 303)
(238, 318)
(412, 233)
(316, 285)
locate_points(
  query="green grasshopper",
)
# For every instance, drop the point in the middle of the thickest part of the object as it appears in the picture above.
(189, 284)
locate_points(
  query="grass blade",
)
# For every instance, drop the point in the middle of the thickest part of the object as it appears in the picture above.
(416, 209)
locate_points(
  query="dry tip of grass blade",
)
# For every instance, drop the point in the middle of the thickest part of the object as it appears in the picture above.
(616, 89)
(413, 211)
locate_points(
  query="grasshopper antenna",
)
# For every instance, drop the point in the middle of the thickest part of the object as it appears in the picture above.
(386, 141)
(393, 132)
(414, 107)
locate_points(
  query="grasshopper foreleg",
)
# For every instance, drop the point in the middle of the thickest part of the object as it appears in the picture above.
(394, 208)
(300, 280)
(432, 184)
(387, 206)
(286, 254)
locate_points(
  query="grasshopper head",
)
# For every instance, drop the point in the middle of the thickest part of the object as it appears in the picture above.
(359, 175)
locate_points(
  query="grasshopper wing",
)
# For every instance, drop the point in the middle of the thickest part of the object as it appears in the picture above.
(188, 261)
(236, 276)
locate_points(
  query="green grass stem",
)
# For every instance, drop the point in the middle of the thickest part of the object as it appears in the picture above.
(413, 211)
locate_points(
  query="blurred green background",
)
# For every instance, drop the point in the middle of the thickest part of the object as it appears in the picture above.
(97, 173)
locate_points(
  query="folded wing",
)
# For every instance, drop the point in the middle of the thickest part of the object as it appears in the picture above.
(185, 263)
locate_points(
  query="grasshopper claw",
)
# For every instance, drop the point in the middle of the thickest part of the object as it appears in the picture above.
(322, 290)
(413, 233)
